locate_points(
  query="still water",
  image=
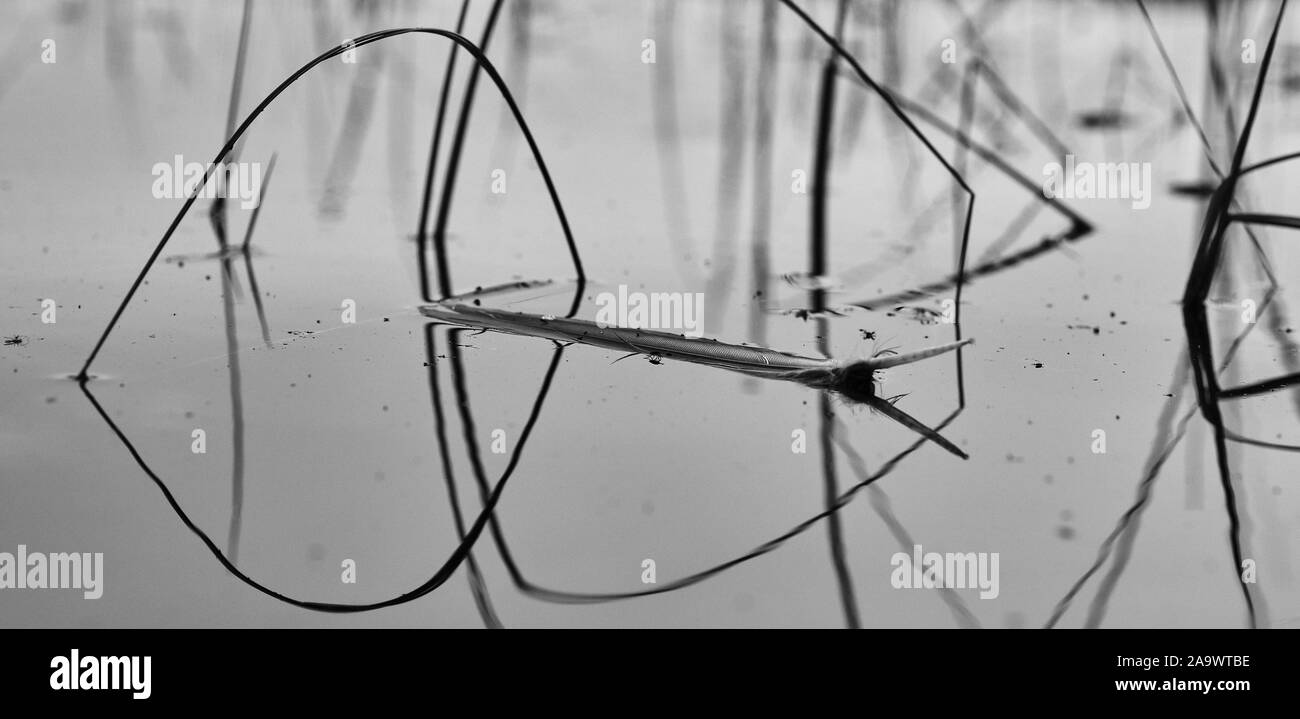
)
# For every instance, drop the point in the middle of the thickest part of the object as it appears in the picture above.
(318, 436)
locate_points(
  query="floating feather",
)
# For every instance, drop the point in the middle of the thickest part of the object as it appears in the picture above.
(852, 379)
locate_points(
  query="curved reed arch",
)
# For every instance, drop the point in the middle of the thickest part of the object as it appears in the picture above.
(84, 374)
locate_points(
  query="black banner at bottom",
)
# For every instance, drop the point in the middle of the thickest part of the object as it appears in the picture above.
(146, 668)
